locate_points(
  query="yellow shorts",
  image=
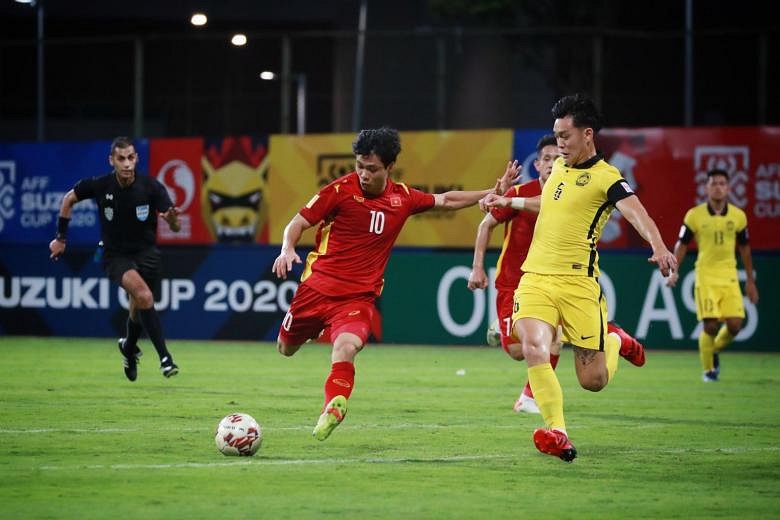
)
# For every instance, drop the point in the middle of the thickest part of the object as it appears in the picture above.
(719, 301)
(574, 302)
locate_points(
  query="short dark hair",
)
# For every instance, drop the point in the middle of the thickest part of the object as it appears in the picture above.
(545, 140)
(120, 142)
(582, 110)
(717, 171)
(385, 142)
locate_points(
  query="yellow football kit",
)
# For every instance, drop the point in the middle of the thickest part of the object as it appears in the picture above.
(561, 281)
(717, 292)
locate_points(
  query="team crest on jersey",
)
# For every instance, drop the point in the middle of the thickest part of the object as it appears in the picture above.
(109, 213)
(142, 212)
(395, 202)
(583, 179)
(730, 226)
(359, 199)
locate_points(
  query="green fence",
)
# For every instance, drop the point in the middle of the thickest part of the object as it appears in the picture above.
(426, 301)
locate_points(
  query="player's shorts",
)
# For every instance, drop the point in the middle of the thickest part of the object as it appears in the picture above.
(148, 263)
(504, 306)
(311, 312)
(574, 302)
(719, 301)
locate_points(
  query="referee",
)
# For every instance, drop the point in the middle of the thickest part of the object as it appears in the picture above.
(128, 205)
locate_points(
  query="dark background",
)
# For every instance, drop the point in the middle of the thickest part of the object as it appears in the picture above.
(429, 64)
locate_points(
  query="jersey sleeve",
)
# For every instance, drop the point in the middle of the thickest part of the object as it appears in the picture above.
(618, 191)
(688, 229)
(321, 204)
(160, 197)
(421, 201)
(742, 231)
(86, 188)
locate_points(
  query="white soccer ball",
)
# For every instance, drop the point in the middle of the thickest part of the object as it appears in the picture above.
(494, 335)
(238, 434)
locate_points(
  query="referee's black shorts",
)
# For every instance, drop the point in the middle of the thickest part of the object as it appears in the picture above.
(148, 263)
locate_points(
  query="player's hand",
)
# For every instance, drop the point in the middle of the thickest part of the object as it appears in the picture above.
(478, 278)
(172, 218)
(491, 200)
(57, 248)
(751, 291)
(671, 280)
(283, 263)
(511, 176)
(665, 260)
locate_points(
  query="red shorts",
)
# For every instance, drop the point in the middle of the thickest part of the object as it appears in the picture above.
(311, 312)
(504, 307)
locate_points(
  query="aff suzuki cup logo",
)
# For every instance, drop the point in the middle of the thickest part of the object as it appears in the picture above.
(733, 159)
(7, 191)
(178, 179)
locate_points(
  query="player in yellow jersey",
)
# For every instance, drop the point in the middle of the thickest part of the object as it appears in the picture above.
(560, 284)
(718, 228)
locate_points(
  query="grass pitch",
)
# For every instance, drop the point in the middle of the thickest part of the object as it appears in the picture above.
(79, 441)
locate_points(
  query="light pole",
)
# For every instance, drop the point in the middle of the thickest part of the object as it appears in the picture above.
(40, 98)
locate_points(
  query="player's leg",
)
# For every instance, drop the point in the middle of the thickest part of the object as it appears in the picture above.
(350, 324)
(304, 320)
(525, 401)
(630, 348)
(708, 313)
(128, 345)
(143, 299)
(732, 307)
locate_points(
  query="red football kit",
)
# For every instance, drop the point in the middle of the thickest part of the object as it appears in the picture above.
(343, 275)
(518, 233)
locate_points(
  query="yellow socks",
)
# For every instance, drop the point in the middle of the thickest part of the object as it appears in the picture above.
(612, 353)
(706, 350)
(723, 338)
(548, 395)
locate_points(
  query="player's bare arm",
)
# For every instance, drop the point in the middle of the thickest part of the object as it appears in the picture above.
(292, 235)
(57, 246)
(172, 218)
(532, 204)
(751, 290)
(636, 214)
(478, 278)
(680, 250)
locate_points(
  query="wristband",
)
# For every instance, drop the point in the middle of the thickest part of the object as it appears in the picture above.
(517, 203)
(62, 228)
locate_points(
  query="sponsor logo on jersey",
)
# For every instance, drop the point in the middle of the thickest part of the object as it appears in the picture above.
(626, 187)
(359, 199)
(109, 213)
(109, 196)
(142, 212)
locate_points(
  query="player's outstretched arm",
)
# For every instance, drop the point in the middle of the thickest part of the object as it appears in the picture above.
(532, 204)
(57, 246)
(478, 278)
(292, 235)
(511, 177)
(751, 290)
(637, 215)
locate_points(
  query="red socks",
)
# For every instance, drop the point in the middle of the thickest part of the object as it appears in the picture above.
(553, 362)
(340, 381)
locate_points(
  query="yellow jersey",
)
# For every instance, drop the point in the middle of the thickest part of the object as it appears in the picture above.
(576, 203)
(716, 236)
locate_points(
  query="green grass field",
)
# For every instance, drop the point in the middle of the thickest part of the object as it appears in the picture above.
(79, 441)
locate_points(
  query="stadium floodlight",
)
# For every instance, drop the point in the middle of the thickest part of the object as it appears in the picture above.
(267, 75)
(31, 2)
(199, 19)
(238, 39)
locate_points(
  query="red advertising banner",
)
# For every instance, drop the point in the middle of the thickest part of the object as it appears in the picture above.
(218, 185)
(667, 167)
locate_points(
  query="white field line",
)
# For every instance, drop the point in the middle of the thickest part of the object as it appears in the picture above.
(373, 460)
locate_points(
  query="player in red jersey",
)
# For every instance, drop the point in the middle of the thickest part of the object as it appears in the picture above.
(519, 218)
(360, 216)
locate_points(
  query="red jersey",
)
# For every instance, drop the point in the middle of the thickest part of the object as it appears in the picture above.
(356, 234)
(518, 232)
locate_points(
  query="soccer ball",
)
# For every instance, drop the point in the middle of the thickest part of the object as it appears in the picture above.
(238, 434)
(493, 335)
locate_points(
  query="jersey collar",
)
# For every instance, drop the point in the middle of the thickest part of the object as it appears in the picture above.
(712, 212)
(584, 165)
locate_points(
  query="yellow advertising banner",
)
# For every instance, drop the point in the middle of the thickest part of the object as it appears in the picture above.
(434, 162)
